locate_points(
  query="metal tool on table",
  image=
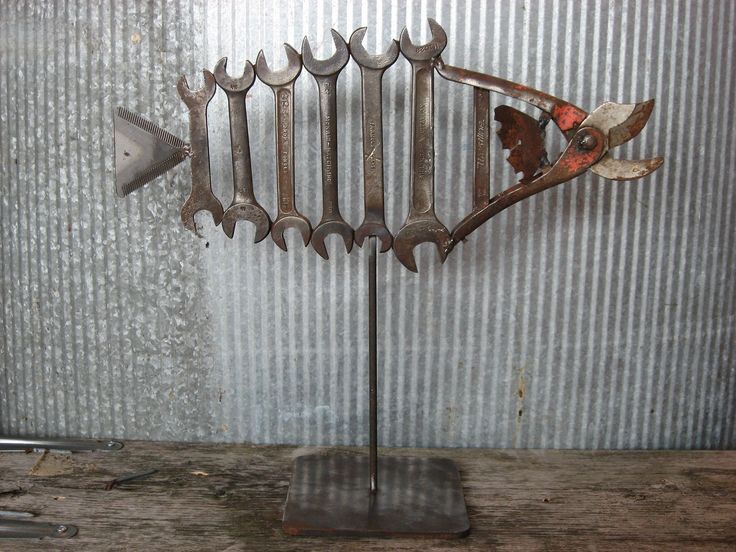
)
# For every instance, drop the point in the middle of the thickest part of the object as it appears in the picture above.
(20, 444)
(201, 197)
(372, 68)
(282, 84)
(110, 485)
(22, 528)
(325, 73)
(422, 224)
(244, 205)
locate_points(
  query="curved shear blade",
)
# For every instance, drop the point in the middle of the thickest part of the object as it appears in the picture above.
(622, 122)
(625, 169)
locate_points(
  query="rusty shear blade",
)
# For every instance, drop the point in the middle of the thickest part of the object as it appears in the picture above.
(621, 123)
(625, 169)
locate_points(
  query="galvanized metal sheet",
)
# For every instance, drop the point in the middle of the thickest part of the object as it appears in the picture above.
(596, 315)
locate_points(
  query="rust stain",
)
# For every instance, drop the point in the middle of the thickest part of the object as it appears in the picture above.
(567, 116)
(520, 392)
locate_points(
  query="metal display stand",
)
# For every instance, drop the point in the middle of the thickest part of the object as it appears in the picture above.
(359, 495)
(386, 496)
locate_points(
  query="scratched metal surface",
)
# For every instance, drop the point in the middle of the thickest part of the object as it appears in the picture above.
(595, 315)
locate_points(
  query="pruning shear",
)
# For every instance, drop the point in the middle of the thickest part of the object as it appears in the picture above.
(591, 137)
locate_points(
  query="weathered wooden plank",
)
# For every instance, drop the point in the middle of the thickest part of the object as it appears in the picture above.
(517, 500)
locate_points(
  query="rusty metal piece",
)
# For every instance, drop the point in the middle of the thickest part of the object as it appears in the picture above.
(522, 135)
(372, 67)
(281, 83)
(421, 224)
(565, 115)
(110, 485)
(201, 197)
(325, 73)
(419, 497)
(244, 205)
(621, 121)
(585, 148)
(624, 121)
(481, 148)
(625, 169)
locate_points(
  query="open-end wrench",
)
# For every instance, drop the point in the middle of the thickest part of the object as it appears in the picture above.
(201, 197)
(282, 84)
(422, 224)
(481, 150)
(372, 68)
(325, 73)
(244, 205)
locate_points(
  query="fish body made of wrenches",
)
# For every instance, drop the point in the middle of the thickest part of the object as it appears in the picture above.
(590, 139)
(144, 151)
(325, 73)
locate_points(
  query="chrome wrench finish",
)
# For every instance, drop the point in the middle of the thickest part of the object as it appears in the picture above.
(325, 73)
(201, 197)
(244, 205)
(422, 224)
(372, 68)
(282, 84)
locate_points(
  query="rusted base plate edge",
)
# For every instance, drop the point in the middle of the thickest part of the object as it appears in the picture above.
(417, 497)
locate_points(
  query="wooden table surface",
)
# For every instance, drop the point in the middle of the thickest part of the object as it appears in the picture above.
(230, 497)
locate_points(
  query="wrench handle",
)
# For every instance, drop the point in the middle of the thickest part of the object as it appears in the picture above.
(422, 140)
(284, 97)
(240, 146)
(200, 148)
(328, 136)
(481, 148)
(372, 98)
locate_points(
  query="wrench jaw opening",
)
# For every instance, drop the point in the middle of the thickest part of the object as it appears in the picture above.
(194, 99)
(196, 203)
(327, 228)
(377, 229)
(231, 84)
(372, 61)
(326, 67)
(253, 213)
(285, 222)
(424, 52)
(284, 76)
(417, 232)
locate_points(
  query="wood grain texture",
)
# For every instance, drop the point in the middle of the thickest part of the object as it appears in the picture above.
(517, 499)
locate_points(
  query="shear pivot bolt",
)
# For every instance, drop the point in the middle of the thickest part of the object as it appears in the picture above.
(588, 142)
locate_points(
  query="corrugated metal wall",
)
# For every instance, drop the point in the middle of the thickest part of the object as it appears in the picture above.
(595, 315)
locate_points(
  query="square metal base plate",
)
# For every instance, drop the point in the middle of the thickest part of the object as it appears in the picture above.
(417, 497)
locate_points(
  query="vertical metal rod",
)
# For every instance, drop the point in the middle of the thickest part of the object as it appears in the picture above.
(373, 363)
